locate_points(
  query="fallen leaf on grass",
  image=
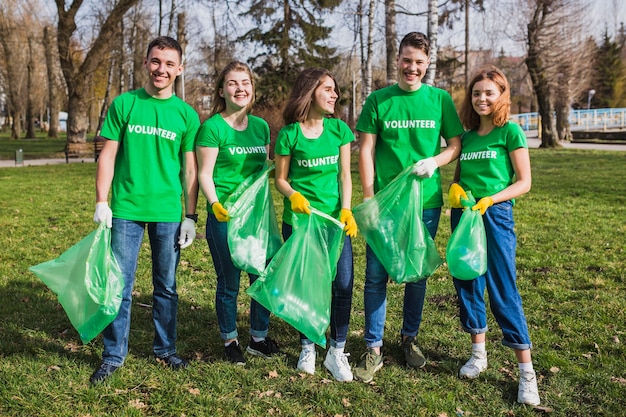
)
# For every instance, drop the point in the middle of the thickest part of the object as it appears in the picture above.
(615, 339)
(588, 355)
(136, 403)
(442, 415)
(272, 374)
(345, 402)
(53, 368)
(194, 391)
(618, 380)
(326, 381)
(555, 369)
(270, 393)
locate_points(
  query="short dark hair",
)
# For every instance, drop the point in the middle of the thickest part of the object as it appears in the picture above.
(165, 42)
(417, 40)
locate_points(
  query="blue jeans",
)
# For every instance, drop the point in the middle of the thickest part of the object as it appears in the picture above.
(499, 280)
(341, 303)
(228, 278)
(126, 239)
(375, 295)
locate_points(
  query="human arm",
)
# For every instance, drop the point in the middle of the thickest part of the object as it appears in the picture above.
(104, 178)
(426, 167)
(207, 157)
(190, 188)
(366, 163)
(299, 204)
(346, 216)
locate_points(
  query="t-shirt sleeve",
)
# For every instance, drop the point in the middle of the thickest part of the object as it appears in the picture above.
(451, 125)
(193, 124)
(346, 133)
(207, 135)
(283, 145)
(516, 138)
(114, 121)
(368, 117)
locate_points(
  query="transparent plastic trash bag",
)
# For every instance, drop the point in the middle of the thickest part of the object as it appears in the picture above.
(88, 282)
(391, 223)
(466, 253)
(253, 235)
(297, 284)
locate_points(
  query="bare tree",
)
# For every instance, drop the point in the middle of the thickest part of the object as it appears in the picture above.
(50, 48)
(78, 72)
(391, 41)
(433, 29)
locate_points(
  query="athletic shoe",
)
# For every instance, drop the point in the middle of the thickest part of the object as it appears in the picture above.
(370, 363)
(103, 372)
(306, 362)
(475, 365)
(412, 353)
(174, 362)
(265, 348)
(233, 353)
(527, 392)
(337, 363)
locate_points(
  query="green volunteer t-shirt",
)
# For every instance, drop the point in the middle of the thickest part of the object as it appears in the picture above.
(486, 167)
(241, 153)
(408, 127)
(315, 164)
(152, 134)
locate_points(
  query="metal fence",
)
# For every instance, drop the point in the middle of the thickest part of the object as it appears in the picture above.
(594, 119)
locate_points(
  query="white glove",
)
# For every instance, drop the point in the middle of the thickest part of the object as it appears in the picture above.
(103, 214)
(187, 233)
(425, 168)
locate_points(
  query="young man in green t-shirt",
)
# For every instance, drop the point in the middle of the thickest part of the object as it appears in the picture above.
(402, 125)
(150, 149)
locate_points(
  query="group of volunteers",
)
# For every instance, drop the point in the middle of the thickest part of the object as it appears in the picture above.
(144, 175)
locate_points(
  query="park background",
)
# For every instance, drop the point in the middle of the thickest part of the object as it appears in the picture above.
(570, 226)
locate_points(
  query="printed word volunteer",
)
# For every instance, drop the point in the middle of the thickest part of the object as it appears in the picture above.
(469, 156)
(241, 150)
(325, 160)
(152, 130)
(410, 124)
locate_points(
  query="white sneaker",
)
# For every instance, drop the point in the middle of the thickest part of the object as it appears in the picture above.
(337, 363)
(527, 392)
(475, 365)
(306, 362)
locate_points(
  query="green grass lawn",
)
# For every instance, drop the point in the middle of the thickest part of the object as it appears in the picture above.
(571, 264)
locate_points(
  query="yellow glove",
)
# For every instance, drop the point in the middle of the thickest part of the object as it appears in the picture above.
(455, 193)
(299, 204)
(347, 218)
(221, 214)
(483, 204)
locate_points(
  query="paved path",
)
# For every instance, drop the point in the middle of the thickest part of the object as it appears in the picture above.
(533, 142)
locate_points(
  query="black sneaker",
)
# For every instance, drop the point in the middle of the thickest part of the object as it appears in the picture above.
(174, 362)
(265, 348)
(103, 372)
(233, 354)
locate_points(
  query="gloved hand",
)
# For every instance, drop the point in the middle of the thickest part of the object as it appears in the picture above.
(299, 204)
(103, 214)
(346, 217)
(483, 204)
(221, 214)
(455, 193)
(187, 233)
(425, 168)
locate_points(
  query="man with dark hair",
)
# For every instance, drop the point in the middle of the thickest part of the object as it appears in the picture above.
(147, 163)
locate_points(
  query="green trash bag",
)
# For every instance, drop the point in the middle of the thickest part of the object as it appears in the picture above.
(297, 284)
(391, 223)
(253, 235)
(88, 282)
(466, 253)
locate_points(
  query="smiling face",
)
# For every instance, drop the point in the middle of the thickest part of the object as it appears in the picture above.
(325, 97)
(163, 66)
(237, 90)
(485, 94)
(412, 66)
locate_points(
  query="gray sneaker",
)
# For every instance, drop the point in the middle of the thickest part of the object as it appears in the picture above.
(369, 365)
(412, 353)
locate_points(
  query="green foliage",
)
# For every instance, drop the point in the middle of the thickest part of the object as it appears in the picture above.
(291, 37)
(610, 75)
(570, 230)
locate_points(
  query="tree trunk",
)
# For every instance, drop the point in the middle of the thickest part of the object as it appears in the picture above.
(30, 119)
(433, 28)
(390, 41)
(53, 100)
(179, 83)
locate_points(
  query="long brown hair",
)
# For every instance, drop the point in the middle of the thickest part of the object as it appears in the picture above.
(218, 104)
(301, 97)
(501, 108)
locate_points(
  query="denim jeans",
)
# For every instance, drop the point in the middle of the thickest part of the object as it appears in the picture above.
(228, 278)
(375, 295)
(499, 280)
(341, 303)
(126, 239)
